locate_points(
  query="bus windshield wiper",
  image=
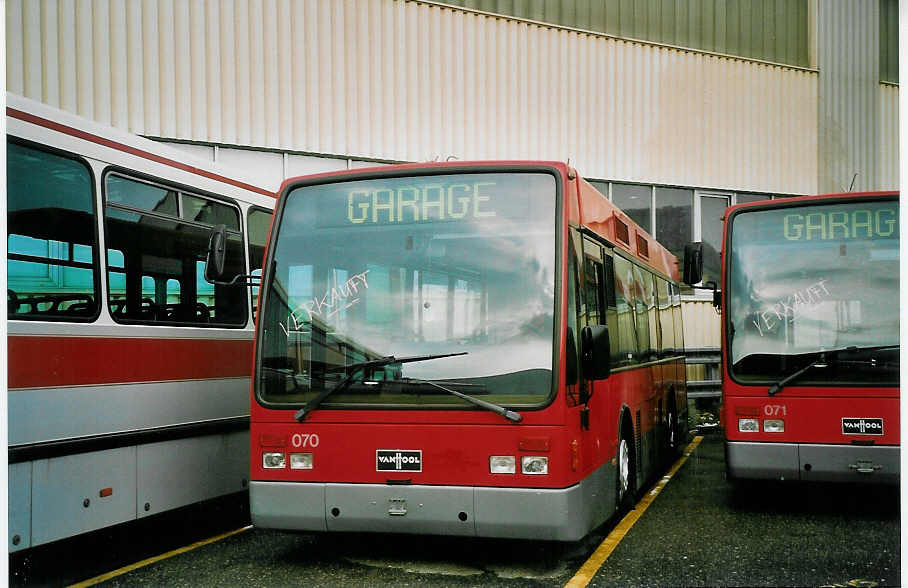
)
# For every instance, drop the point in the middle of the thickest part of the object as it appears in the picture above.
(823, 360)
(512, 416)
(356, 368)
(818, 362)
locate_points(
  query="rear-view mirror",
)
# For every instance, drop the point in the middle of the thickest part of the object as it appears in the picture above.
(693, 263)
(217, 254)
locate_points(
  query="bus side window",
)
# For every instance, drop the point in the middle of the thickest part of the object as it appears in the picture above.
(624, 301)
(676, 315)
(643, 289)
(655, 328)
(666, 320)
(574, 312)
(158, 239)
(611, 312)
(52, 244)
(257, 223)
(593, 286)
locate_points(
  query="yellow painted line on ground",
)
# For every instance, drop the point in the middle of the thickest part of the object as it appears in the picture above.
(157, 558)
(605, 549)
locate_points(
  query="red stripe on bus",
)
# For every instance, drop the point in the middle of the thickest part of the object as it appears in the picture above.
(37, 120)
(78, 361)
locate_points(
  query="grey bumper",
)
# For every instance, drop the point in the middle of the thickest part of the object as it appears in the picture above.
(817, 463)
(518, 513)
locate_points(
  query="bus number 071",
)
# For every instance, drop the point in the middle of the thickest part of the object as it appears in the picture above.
(304, 440)
(775, 410)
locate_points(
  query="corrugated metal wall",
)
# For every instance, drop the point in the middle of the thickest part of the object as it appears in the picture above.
(849, 95)
(888, 157)
(702, 325)
(402, 80)
(771, 30)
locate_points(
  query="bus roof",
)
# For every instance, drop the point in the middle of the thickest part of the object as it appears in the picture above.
(426, 166)
(54, 119)
(805, 200)
(600, 216)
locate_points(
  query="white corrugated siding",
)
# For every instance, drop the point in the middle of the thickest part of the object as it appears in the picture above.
(849, 114)
(702, 325)
(888, 158)
(398, 80)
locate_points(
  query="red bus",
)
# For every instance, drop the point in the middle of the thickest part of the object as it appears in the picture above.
(469, 348)
(128, 373)
(811, 339)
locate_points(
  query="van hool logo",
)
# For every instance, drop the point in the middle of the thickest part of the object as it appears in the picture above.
(398, 460)
(854, 426)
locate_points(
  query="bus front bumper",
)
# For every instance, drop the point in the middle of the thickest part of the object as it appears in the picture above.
(815, 463)
(518, 513)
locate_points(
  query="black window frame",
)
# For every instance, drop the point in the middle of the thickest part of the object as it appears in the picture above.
(96, 245)
(254, 297)
(133, 175)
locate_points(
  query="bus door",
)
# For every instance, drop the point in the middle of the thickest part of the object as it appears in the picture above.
(599, 429)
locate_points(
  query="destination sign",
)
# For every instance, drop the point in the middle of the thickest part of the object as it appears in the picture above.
(487, 199)
(377, 204)
(841, 224)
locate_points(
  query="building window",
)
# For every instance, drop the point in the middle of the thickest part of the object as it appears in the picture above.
(673, 218)
(741, 198)
(712, 209)
(636, 201)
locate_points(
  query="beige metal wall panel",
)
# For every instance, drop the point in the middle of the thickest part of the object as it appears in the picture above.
(888, 157)
(401, 80)
(849, 95)
(702, 325)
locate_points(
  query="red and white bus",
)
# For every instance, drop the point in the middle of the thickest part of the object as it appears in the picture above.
(128, 373)
(810, 290)
(468, 348)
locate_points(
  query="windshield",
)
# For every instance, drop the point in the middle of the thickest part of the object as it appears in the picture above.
(813, 278)
(413, 266)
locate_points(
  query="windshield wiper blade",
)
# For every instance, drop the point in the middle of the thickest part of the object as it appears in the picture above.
(512, 416)
(777, 387)
(822, 361)
(358, 367)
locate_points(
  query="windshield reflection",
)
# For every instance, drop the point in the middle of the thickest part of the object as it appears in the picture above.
(414, 279)
(808, 279)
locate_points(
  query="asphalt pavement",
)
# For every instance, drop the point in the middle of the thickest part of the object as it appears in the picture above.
(702, 531)
(698, 532)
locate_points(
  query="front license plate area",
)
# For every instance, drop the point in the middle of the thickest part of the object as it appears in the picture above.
(396, 509)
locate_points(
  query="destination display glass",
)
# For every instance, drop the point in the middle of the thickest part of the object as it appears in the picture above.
(810, 280)
(459, 266)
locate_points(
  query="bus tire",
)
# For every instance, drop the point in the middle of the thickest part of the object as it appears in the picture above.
(627, 474)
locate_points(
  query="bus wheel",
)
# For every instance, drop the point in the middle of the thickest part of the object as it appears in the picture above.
(627, 475)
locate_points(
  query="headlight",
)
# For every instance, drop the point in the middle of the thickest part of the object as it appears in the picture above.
(534, 465)
(300, 461)
(273, 460)
(748, 425)
(502, 464)
(773, 426)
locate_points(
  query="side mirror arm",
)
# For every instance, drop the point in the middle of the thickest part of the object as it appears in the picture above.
(216, 259)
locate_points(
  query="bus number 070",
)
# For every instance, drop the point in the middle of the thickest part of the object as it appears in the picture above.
(304, 440)
(775, 410)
